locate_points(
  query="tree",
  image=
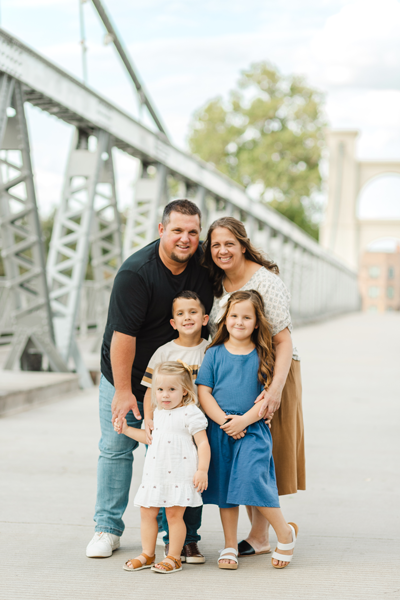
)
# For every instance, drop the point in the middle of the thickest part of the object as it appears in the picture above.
(269, 133)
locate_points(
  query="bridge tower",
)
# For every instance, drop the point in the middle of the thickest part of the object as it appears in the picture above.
(22, 244)
(343, 232)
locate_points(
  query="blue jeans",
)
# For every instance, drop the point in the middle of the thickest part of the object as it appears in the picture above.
(114, 473)
(114, 469)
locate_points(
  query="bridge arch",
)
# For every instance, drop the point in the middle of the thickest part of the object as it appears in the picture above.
(381, 191)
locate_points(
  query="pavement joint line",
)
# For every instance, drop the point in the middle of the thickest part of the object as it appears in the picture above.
(205, 530)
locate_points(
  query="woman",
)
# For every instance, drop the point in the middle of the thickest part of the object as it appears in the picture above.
(234, 265)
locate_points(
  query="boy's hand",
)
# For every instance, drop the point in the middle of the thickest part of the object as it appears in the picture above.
(200, 480)
(236, 425)
(148, 427)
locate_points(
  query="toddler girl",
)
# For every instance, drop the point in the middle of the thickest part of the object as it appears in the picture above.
(174, 473)
(237, 366)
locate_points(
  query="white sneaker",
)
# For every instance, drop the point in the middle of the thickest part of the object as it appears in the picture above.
(102, 545)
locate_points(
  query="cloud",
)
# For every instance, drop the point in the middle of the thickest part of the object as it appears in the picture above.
(358, 47)
(187, 53)
(374, 113)
(351, 54)
(38, 3)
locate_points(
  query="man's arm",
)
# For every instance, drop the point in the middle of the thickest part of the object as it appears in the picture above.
(122, 355)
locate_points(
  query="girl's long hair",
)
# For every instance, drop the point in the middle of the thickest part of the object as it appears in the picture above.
(182, 372)
(239, 231)
(261, 336)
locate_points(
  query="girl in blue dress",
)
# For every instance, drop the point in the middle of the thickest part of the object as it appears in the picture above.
(237, 366)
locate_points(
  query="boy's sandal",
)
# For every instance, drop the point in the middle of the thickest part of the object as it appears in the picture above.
(168, 568)
(137, 565)
(228, 554)
(285, 557)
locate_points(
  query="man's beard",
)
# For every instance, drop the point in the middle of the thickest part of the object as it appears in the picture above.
(180, 259)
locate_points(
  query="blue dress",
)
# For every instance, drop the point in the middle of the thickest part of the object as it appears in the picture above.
(241, 471)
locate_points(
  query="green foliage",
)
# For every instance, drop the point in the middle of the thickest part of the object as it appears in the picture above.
(47, 230)
(269, 133)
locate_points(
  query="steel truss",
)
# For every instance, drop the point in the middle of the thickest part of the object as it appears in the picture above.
(150, 195)
(87, 220)
(22, 245)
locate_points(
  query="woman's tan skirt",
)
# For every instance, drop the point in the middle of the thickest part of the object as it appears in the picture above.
(287, 429)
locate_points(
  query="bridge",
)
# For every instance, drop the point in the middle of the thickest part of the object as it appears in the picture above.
(47, 304)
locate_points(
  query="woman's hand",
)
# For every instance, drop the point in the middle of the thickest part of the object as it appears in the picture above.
(271, 399)
(270, 402)
(236, 425)
(148, 427)
(200, 480)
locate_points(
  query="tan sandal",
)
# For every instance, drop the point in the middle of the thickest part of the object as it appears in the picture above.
(169, 568)
(228, 554)
(285, 557)
(137, 565)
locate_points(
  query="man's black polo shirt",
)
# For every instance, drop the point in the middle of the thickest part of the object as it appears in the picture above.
(140, 306)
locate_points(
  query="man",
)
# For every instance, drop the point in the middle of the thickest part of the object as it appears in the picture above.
(138, 323)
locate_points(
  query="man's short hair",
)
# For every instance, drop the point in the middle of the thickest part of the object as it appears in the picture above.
(188, 295)
(183, 206)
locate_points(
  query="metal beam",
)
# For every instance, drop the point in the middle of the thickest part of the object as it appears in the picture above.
(117, 41)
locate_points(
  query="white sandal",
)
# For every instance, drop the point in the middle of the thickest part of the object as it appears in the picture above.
(228, 554)
(285, 557)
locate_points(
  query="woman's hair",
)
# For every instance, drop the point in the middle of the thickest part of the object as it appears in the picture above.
(238, 229)
(261, 336)
(182, 372)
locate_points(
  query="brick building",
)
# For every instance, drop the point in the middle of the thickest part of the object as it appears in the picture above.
(379, 281)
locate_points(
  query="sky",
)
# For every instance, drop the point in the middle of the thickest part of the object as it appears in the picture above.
(188, 52)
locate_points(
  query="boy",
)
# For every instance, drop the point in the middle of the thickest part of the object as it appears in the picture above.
(188, 318)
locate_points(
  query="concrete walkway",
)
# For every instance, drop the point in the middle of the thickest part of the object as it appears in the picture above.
(348, 543)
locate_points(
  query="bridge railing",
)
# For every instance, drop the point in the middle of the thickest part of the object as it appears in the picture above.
(318, 290)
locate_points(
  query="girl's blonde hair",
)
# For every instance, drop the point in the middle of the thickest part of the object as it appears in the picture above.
(261, 336)
(182, 372)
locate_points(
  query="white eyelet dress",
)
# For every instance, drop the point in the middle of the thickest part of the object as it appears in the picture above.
(171, 460)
